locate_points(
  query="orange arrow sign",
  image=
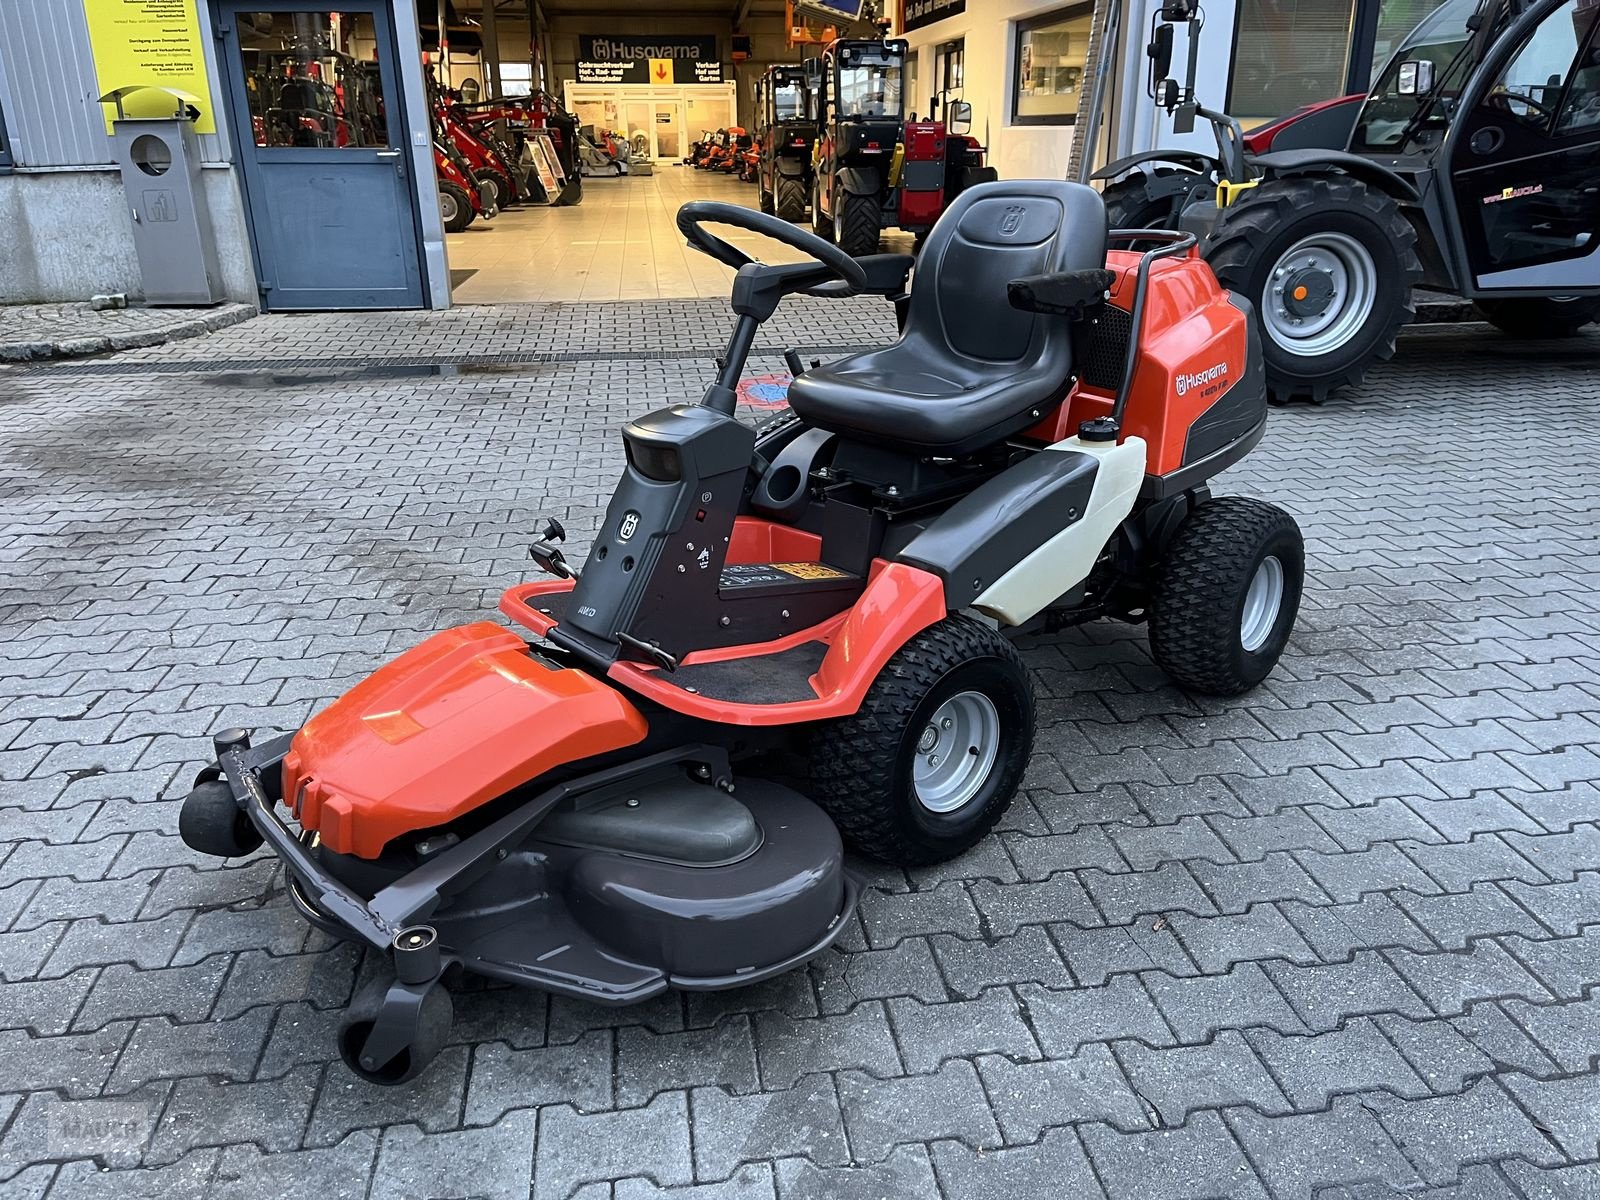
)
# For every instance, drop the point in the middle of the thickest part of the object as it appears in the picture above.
(660, 69)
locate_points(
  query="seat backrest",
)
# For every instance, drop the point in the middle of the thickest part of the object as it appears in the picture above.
(992, 234)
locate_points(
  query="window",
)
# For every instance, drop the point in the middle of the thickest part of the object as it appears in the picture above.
(1397, 18)
(1529, 89)
(6, 161)
(305, 84)
(1390, 113)
(1581, 111)
(949, 67)
(516, 78)
(1288, 53)
(869, 83)
(1052, 52)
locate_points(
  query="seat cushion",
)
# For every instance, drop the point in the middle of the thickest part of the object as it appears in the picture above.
(969, 369)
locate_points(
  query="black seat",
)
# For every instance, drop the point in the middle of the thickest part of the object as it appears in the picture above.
(969, 369)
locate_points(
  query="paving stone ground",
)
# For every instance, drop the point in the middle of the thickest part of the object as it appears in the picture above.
(1338, 939)
(31, 331)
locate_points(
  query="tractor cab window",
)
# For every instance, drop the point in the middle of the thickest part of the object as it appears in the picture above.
(1387, 117)
(868, 84)
(1580, 112)
(1529, 89)
(788, 100)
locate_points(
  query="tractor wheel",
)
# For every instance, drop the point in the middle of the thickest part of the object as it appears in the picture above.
(494, 187)
(821, 223)
(858, 222)
(455, 206)
(791, 197)
(767, 205)
(936, 752)
(1541, 317)
(1328, 263)
(1226, 593)
(1129, 206)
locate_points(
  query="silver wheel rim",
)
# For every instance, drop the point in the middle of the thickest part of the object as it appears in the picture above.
(956, 751)
(1346, 265)
(1262, 603)
(447, 207)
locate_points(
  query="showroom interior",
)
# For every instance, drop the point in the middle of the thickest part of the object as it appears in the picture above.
(317, 130)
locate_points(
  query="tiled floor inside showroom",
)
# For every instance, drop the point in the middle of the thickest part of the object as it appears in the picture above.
(620, 242)
(1337, 939)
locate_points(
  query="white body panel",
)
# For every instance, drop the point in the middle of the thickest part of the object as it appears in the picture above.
(1065, 561)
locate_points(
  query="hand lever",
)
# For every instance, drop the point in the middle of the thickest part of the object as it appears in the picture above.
(551, 560)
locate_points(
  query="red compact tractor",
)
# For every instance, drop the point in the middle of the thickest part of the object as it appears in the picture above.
(873, 167)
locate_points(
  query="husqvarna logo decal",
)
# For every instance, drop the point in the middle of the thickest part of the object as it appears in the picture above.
(1211, 374)
(630, 522)
(1012, 221)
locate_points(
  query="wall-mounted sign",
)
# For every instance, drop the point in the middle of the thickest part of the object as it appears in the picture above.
(917, 13)
(156, 43)
(604, 58)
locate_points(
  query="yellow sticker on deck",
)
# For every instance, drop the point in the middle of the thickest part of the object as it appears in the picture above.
(811, 570)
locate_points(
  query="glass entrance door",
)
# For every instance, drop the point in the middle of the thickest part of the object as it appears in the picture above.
(667, 121)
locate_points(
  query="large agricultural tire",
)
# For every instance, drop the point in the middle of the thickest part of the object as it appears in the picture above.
(936, 752)
(1130, 206)
(860, 224)
(1225, 596)
(791, 199)
(1541, 317)
(455, 206)
(1290, 245)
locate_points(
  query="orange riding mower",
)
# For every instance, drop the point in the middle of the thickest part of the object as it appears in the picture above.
(787, 634)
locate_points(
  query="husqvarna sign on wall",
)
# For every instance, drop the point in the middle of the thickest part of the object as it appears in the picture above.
(608, 58)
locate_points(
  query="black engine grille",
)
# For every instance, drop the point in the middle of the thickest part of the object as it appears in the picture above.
(1107, 348)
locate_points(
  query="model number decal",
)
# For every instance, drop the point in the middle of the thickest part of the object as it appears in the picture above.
(1201, 378)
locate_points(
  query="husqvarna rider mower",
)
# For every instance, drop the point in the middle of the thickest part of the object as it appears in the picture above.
(592, 805)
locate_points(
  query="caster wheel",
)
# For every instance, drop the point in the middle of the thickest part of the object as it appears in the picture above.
(935, 754)
(1226, 594)
(433, 1026)
(212, 823)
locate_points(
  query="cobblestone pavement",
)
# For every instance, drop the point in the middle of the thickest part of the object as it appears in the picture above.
(1336, 939)
(29, 331)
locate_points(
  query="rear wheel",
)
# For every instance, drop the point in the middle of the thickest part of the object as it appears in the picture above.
(1328, 263)
(1541, 317)
(1226, 594)
(935, 754)
(455, 206)
(858, 224)
(1129, 206)
(791, 199)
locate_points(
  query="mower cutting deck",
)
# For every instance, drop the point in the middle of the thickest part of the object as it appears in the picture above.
(590, 808)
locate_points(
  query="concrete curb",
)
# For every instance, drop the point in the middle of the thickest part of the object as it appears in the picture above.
(129, 339)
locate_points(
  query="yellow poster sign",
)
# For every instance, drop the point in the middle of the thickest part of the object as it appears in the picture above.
(152, 42)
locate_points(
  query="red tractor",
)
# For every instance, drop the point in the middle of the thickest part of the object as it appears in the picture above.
(873, 167)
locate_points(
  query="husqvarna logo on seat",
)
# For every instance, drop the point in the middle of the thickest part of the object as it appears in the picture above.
(1201, 378)
(630, 522)
(1012, 221)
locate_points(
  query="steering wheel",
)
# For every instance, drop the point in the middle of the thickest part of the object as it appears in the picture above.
(696, 214)
(1505, 97)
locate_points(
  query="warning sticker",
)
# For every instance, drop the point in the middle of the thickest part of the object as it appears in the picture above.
(811, 571)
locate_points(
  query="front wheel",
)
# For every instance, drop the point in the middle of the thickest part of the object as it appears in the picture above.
(1541, 317)
(434, 1019)
(791, 199)
(455, 206)
(858, 223)
(1328, 263)
(1226, 594)
(934, 756)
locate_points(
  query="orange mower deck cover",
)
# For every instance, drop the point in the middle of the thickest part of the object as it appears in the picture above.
(447, 726)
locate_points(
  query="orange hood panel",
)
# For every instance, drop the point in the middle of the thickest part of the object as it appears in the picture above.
(449, 725)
